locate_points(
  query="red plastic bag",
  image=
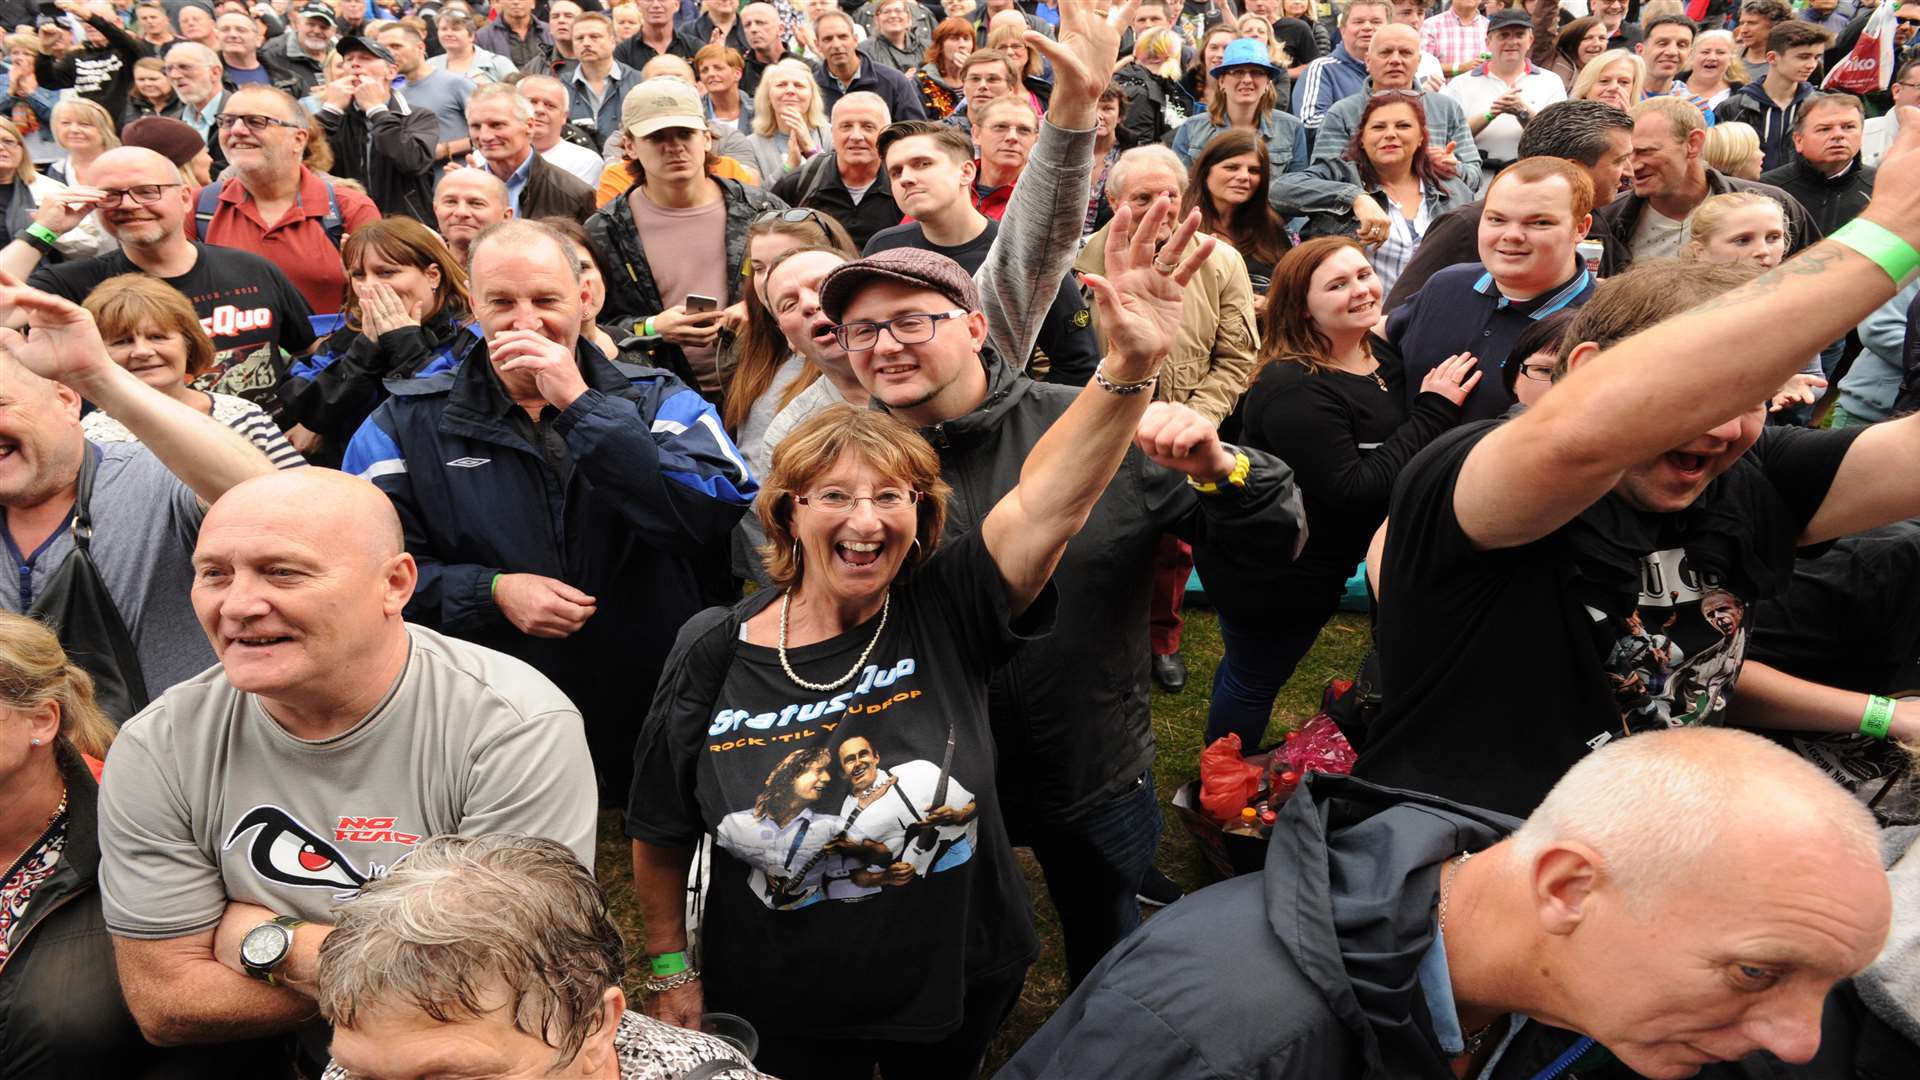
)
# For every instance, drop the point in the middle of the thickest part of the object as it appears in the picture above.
(1317, 746)
(1228, 781)
(1869, 67)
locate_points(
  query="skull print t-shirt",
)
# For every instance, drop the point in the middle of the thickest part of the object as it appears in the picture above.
(1502, 668)
(859, 854)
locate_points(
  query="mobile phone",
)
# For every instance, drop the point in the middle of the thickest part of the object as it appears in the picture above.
(700, 304)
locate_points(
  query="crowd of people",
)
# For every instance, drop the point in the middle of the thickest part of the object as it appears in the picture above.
(427, 429)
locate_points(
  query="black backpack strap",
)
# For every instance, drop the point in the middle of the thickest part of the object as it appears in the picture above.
(83, 498)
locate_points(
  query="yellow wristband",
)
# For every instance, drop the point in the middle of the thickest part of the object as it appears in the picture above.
(1236, 478)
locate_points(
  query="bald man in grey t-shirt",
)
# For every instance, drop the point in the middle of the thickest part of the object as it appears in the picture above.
(331, 739)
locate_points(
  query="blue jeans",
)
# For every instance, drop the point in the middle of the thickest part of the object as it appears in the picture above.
(1094, 864)
(1259, 658)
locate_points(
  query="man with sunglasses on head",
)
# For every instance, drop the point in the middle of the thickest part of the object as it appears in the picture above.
(273, 205)
(255, 316)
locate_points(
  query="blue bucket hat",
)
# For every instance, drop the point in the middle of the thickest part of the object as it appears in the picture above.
(1246, 52)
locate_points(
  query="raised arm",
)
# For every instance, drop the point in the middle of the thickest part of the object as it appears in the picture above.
(63, 344)
(1040, 233)
(1620, 408)
(1069, 467)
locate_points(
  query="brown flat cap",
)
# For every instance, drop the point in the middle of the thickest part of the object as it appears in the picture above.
(171, 139)
(908, 265)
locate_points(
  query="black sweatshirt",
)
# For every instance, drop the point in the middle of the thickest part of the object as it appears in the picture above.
(102, 75)
(1346, 440)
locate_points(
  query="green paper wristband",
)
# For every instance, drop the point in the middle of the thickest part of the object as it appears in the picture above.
(1878, 717)
(493, 588)
(672, 963)
(646, 328)
(42, 232)
(1884, 247)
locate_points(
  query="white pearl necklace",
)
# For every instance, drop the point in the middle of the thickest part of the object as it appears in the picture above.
(786, 601)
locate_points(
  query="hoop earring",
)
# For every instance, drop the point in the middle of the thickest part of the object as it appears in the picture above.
(915, 549)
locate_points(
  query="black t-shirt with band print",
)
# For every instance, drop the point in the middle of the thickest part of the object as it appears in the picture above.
(862, 876)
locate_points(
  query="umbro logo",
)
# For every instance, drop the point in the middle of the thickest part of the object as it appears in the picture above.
(468, 462)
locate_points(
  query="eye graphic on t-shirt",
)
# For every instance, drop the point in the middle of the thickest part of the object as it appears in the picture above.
(288, 852)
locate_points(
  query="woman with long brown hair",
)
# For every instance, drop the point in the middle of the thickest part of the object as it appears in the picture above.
(767, 374)
(1229, 185)
(406, 312)
(1387, 157)
(1322, 403)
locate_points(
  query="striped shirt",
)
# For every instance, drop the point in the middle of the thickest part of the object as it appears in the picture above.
(1403, 238)
(237, 413)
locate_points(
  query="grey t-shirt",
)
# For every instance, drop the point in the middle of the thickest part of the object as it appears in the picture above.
(445, 95)
(206, 798)
(145, 523)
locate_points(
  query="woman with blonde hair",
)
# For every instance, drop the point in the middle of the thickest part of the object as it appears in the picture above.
(407, 317)
(1008, 38)
(60, 1000)
(152, 330)
(1258, 28)
(35, 199)
(1714, 70)
(1617, 77)
(85, 131)
(1733, 148)
(1749, 227)
(1156, 102)
(789, 121)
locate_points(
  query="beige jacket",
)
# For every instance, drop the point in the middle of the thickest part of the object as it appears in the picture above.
(1219, 336)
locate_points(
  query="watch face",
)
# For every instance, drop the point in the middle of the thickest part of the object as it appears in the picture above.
(264, 945)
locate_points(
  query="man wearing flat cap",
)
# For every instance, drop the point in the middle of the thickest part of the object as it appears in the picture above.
(377, 137)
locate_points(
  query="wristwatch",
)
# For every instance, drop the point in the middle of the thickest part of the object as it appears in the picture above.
(266, 946)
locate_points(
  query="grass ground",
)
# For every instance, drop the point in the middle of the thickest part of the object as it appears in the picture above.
(1178, 721)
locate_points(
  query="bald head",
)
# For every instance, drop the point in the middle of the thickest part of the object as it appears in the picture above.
(1659, 806)
(138, 161)
(1394, 57)
(668, 66)
(343, 512)
(301, 585)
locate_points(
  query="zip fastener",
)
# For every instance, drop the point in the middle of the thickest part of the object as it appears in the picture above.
(1566, 1059)
(35, 925)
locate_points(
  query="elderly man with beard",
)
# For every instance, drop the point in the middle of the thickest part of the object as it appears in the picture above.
(199, 81)
(274, 206)
(303, 49)
(560, 519)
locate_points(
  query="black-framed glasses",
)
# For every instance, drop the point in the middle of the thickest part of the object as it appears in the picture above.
(795, 216)
(1537, 372)
(907, 330)
(144, 194)
(835, 501)
(255, 122)
(1909, 20)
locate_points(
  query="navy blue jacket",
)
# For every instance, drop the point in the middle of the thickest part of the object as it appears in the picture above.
(649, 480)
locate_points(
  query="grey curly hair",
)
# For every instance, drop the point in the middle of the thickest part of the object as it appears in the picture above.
(463, 917)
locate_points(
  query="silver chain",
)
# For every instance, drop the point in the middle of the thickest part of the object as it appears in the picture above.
(786, 600)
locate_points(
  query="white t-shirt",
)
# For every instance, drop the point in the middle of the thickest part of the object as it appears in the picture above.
(1476, 93)
(577, 160)
(206, 798)
(1656, 236)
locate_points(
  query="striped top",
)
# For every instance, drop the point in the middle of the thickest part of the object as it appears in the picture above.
(237, 413)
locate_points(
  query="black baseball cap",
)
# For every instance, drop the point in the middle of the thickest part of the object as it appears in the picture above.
(351, 42)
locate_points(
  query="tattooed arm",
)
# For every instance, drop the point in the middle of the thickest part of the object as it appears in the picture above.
(1679, 384)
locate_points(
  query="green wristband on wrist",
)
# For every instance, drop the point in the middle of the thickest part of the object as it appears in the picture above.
(672, 963)
(1878, 717)
(1884, 247)
(493, 588)
(646, 328)
(41, 232)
